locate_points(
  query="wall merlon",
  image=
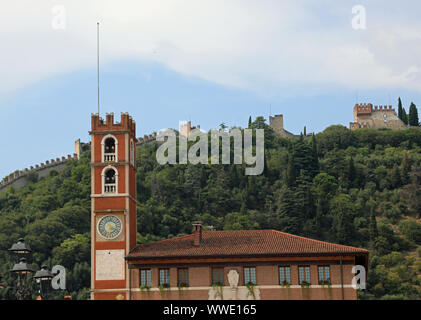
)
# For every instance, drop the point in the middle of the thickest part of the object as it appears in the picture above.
(126, 123)
(42, 169)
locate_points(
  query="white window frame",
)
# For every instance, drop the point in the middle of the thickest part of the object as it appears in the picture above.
(103, 179)
(103, 147)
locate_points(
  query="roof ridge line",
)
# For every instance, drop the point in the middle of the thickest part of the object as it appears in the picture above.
(319, 241)
(163, 240)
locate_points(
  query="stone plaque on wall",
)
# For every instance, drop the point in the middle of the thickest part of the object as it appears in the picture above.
(109, 264)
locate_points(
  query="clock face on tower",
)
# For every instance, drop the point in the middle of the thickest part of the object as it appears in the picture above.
(109, 227)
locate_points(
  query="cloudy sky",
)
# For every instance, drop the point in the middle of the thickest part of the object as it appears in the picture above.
(208, 61)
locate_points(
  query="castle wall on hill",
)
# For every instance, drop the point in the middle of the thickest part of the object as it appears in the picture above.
(146, 139)
(19, 179)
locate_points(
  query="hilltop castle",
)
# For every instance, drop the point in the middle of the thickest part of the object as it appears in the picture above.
(277, 124)
(186, 128)
(365, 116)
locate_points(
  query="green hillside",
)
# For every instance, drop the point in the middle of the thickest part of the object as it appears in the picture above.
(360, 188)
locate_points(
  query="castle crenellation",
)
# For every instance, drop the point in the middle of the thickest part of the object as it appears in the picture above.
(47, 166)
(185, 128)
(126, 123)
(146, 139)
(44, 168)
(367, 116)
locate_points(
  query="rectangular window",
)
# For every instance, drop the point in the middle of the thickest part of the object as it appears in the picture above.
(183, 277)
(145, 277)
(164, 277)
(218, 276)
(324, 274)
(249, 275)
(304, 274)
(284, 275)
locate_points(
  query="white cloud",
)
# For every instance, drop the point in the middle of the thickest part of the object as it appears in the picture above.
(264, 46)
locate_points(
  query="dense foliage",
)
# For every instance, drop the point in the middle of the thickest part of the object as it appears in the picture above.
(360, 188)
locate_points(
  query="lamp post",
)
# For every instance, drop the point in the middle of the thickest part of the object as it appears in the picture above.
(43, 277)
(22, 269)
(20, 247)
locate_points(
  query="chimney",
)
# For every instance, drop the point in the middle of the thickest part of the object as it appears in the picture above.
(197, 231)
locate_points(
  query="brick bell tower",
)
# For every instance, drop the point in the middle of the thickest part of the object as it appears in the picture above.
(113, 204)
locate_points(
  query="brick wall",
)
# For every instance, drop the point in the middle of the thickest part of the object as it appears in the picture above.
(267, 287)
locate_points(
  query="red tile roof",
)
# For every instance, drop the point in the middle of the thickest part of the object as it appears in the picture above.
(240, 243)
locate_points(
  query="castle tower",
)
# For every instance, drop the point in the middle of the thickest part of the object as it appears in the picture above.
(113, 204)
(367, 116)
(277, 122)
(277, 125)
(186, 128)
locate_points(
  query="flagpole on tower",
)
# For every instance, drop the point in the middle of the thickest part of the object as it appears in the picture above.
(97, 52)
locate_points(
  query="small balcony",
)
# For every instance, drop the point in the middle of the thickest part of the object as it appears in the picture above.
(110, 182)
(110, 150)
(110, 188)
(109, 157)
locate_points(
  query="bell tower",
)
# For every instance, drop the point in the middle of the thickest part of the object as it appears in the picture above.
(113, 204)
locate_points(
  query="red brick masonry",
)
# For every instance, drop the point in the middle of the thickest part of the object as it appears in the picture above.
(263, 250)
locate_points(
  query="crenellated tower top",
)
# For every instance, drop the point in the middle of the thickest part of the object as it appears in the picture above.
(126, 123)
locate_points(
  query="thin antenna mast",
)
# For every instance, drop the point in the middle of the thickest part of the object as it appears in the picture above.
(97, 52)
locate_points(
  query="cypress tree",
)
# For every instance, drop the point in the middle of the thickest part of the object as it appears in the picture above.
(288, 214)
(373, 225)
(413, 116)
(290, 174)
(315, 154)
(400, 108)
(406, 168)
(352, 173)
(249, 122)
(396, 177)
(404, 116)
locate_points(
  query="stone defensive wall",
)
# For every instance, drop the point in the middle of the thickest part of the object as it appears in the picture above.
(146, 139)
(18, 179)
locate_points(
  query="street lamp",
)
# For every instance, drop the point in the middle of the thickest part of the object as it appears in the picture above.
(43, 277)
(22, 269)
(20, 247)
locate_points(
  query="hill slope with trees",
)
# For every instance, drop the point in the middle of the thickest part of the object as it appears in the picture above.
(359, 188)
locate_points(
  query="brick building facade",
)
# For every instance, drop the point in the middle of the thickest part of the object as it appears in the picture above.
(253, 264)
